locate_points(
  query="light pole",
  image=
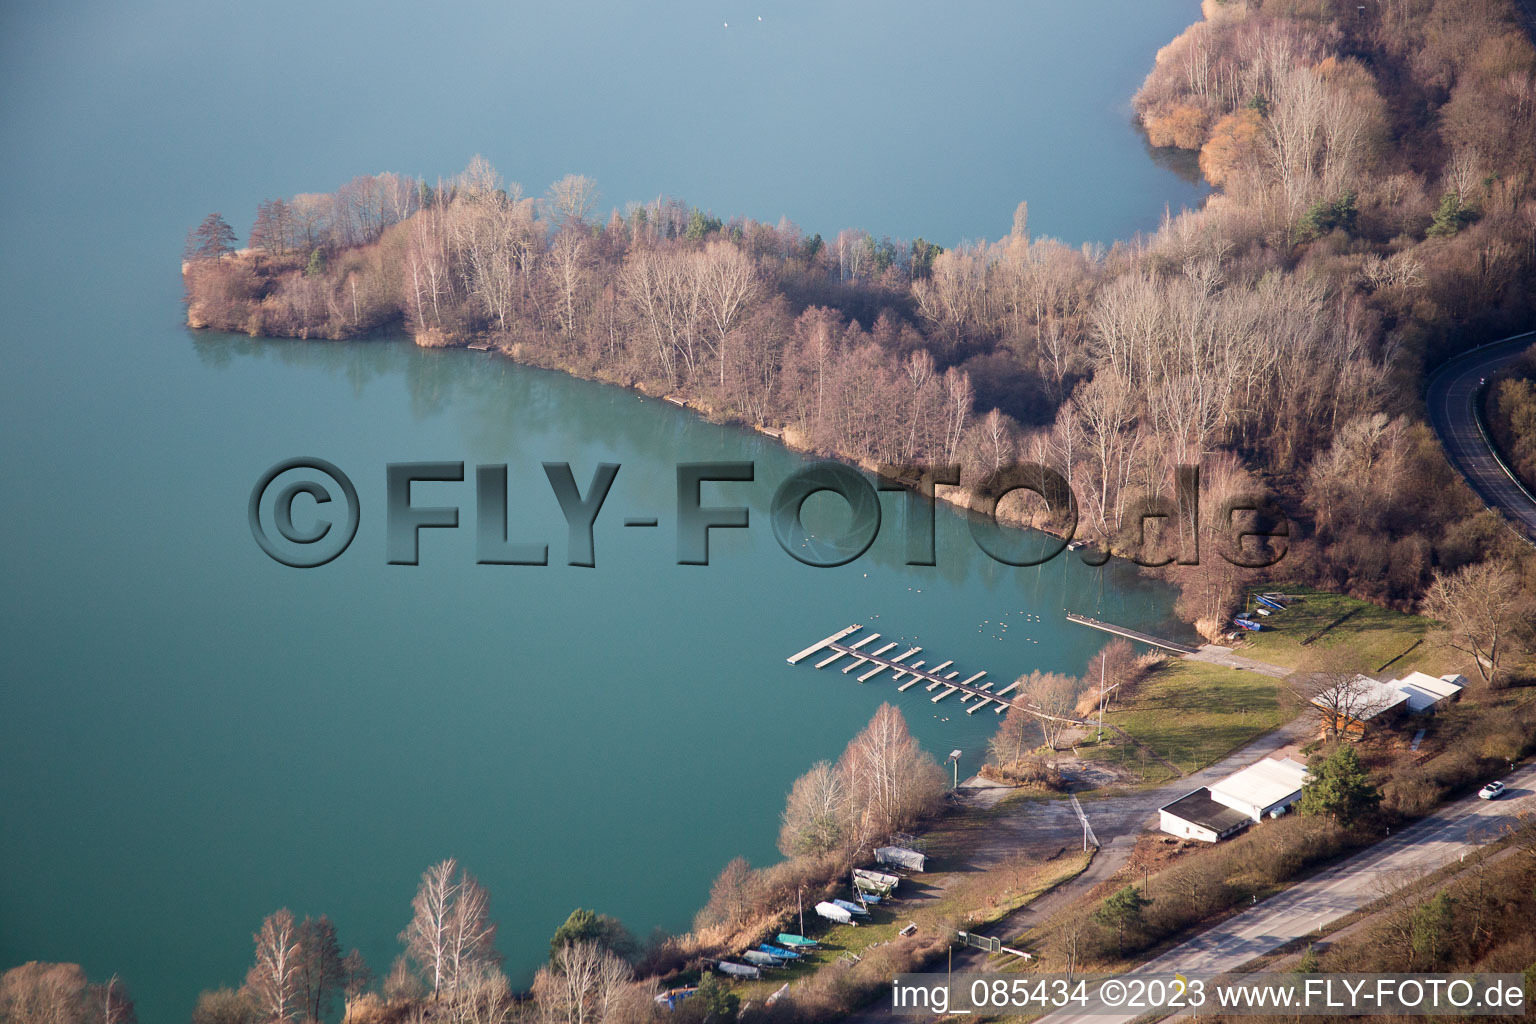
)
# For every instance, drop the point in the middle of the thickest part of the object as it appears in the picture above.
(954, 759)
(1102, 659)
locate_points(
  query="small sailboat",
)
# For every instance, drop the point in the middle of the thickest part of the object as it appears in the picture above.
(761, 959)
(832, 912)
(782, 954)
(852, 908)
(787, 939)
(738, 970)
(870, 888)
(878, 877)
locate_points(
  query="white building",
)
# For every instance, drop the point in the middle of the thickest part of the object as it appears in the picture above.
(1427, 693)
(1356, 702)
(1266, 789)
(1196, 816)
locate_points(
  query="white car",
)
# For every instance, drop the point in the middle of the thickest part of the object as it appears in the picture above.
(1492, 791)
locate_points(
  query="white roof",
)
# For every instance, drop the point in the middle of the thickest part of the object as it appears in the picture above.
(1370, 697)
(1263, 783)
(1444, 686)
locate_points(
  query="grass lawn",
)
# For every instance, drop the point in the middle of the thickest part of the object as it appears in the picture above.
(1320, 623)
(1191, 713)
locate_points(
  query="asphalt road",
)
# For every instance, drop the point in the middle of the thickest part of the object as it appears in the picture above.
(1452, 392)
(1423, 847)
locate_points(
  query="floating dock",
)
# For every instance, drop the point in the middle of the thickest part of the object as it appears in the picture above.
(795, 659)
(908, 674)
(1132, 634)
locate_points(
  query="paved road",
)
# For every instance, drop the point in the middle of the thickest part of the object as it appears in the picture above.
(1303, 908)
(1452, 392)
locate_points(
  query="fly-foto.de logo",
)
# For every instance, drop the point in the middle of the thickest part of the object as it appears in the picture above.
(305, 511)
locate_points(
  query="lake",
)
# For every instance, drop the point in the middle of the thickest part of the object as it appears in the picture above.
(192, 735)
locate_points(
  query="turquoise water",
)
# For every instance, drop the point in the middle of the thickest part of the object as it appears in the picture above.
(192, 735)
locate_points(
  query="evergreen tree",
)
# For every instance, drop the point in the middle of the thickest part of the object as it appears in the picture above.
(1432, 922)
(713, 1003)
(1450, 216)
(1121, 911)
(1339, 787)
(213, 239)
(600, 929)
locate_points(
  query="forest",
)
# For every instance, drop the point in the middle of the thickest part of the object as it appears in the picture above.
(1374, 214)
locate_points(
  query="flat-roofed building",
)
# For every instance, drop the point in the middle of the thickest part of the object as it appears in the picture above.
(1196, 816)
(1265, 789)
(1428, 693)
(1359, 703)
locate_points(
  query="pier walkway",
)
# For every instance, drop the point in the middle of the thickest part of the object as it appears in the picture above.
(1133, 634)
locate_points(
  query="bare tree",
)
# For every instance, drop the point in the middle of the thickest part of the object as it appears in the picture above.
(1338, 695)
(893, 780)
(585, 984)
(1010, 743)
(1053, 696)
(450, 937)
(471, 933)
(110, 1003)
(1483, 609)
(728, 285)
(274, 979)
(732, 896)
(43, 993)
(816, 813)
(573, 198)
(321, 969)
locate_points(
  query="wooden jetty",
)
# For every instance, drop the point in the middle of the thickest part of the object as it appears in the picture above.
(946, 683)
(1132, 634)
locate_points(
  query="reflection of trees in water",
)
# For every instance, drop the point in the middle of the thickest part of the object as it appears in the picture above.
(522, 415)
(1183, 162)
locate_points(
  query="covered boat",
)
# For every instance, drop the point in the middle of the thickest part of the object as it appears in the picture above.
(901, 857)
(738, 970)
(852, 908)
(786, 939)
(782, 954)
(872, 889)
(878, 877)
(834, 913)
(761, 959)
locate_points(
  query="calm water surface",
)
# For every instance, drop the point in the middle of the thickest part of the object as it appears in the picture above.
(192, 735)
